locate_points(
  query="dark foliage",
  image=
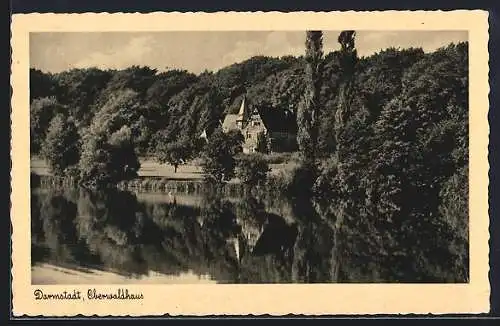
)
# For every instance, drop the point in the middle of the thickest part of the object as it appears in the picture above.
(219, 160)
(388, 134)
(401, 149)
(252, 169)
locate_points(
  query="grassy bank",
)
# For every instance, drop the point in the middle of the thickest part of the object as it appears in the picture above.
(154, 177)
(149, 168)
(278, 162)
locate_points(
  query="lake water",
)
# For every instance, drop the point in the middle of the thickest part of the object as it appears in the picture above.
(115, 236)
(122, 236)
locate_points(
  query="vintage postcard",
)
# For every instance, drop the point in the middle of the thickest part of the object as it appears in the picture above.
(250, 163)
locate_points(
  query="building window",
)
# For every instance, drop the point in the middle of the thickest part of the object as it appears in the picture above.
(256, 123)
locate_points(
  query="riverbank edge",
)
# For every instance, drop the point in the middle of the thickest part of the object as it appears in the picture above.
(156, 184)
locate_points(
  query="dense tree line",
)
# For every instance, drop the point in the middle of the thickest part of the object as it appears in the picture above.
(356, 101)
(168, 106)
(401, 147)
(177, 105)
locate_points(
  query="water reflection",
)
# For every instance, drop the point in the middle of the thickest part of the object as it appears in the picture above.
(230, 239)
(210, 238)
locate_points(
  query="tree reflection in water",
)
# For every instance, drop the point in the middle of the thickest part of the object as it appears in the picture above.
(246, 239)
(231, 239)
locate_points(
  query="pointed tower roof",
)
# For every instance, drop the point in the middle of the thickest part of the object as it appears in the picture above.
(241, 113)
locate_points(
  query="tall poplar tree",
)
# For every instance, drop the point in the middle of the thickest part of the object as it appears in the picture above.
(348, 59)
(308, 110)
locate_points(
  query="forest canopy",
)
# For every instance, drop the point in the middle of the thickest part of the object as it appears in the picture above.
(177, 106)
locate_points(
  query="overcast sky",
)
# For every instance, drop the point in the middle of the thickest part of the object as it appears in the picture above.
(197, 51)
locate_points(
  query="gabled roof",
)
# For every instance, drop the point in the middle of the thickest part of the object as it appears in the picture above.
(231, 119)
(278, 121)
(230, 122)
(273, 120)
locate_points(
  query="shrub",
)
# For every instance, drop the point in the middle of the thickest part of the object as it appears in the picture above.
(294, 182)
(324, 185)
(252, 169)
(62, 144)
(280, 183)
(276, 158)
(262, 143)
(219, 156)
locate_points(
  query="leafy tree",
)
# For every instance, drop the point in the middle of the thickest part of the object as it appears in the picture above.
(42, 110)
(79, 89)
(454, 214)
(308, 111)
(252, 169)
(381, 80)
(288, 88)
(135, 78)
(377, 79)
(328, 100)
(159, 104)
(235, 141)
(166, 85)
(62, 144)
(219, 157)
(42, 84)
(347, 62)
(235, 79)
(141, 133)
(108, 153)
(175, 153)
(189, 113)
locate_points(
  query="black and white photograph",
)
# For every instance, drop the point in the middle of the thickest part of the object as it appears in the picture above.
(242, 157)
